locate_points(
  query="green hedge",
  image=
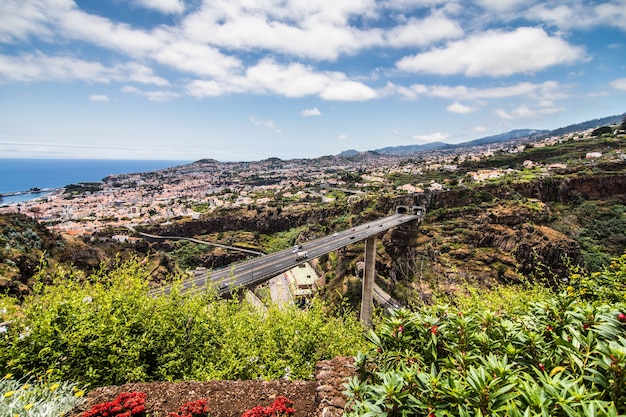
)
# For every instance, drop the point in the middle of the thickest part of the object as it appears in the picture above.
(111, 331)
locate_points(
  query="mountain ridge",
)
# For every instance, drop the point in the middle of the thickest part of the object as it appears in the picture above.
(516, 134)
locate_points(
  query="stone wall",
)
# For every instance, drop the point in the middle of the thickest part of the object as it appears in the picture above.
(331, 375)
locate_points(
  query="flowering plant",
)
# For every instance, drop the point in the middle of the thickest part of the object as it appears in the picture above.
(127, 404)
(281, 407)
(197, 408)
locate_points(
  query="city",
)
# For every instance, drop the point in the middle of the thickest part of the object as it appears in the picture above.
(208, 185)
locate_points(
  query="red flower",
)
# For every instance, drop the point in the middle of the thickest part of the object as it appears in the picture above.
(138, 409)
(542, 366)
(280, 407)
(257, 411)
(433, 329)
(621, 317)
(400, 329)
(197, 408)
(127, 404)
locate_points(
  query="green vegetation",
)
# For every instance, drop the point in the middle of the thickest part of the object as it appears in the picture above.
(280, 240)
(23, 242)
(599, 227)
(110, 330)
(72, 190)
(508, 351)
(189, 254)
(573, 151)
(563, 356)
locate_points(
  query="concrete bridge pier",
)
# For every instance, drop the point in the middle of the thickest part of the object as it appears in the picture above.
(369, 271)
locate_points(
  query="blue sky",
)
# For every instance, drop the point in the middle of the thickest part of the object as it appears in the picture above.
(243, 80)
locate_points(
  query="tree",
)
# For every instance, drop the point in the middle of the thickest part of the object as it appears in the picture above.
(602, 131)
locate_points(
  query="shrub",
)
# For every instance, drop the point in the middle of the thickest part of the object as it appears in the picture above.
(564, 356)
(112, 331)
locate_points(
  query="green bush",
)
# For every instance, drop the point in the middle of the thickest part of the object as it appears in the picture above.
(565, 356)
(111, 331)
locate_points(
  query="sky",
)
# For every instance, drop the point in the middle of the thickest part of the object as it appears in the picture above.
(245, 80)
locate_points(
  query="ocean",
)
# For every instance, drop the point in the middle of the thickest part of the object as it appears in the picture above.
(22, 175)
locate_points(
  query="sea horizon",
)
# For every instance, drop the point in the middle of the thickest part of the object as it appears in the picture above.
(23, 175)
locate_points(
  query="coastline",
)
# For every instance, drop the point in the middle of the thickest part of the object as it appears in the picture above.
(19, 178)
(17, 197)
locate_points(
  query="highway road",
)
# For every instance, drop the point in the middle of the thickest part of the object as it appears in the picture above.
(255, 271)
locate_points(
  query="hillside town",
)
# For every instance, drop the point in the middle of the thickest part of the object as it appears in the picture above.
(208, 185)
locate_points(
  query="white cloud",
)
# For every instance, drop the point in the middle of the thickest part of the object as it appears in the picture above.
(495, 53)
(206, 42)
(343, 136)
(154, 95)
(524, 112)
(98, 97)
(310, 112)
(433, 137)
(40, 67)
(348, 91)
(292, 80)
(410, 4)
(163, 6)
(417, 32)
(164, 44)
(138, 73)
(548, 90)
(581, 14)
(204, 88)
(620, 84)
(195, 58)
(459, 108)
(267, 124)
(312, 29)
(479, 129)
(20, 19)
(596, 94)
(501, 5)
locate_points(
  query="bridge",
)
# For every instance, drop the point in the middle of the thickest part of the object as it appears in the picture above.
(255, 271)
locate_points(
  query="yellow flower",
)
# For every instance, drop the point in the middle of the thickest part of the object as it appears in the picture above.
(79, 393)
(8, 394)
(53, 387)
(8, 376)
(25, 386)
(49, 371)
(29, 406)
